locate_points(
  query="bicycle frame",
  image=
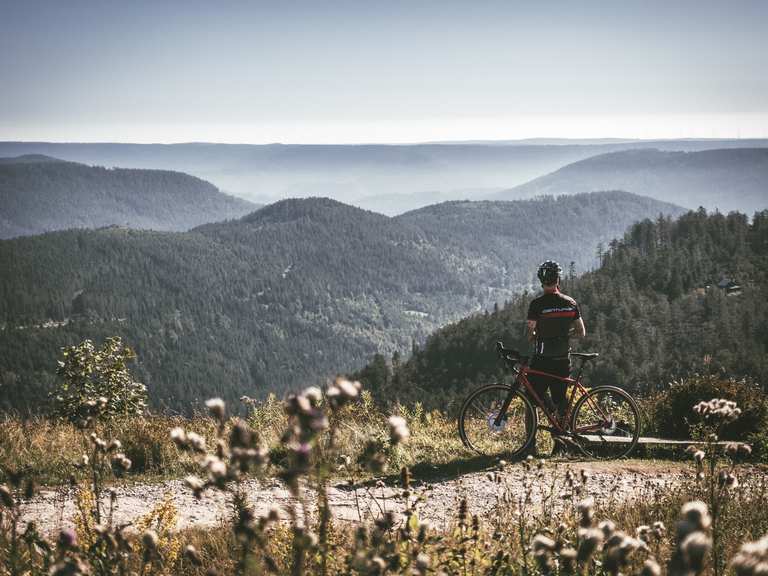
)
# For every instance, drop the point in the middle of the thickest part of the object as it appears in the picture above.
(556, 425)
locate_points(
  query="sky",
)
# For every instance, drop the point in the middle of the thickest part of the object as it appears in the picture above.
(381, 71)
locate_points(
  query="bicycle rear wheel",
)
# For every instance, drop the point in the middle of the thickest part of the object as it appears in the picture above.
(515, 432)
(606, 423)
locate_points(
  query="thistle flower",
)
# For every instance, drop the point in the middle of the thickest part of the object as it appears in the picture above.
(541, 542)
(422, 563)
(313, 394)
(115, 446)
(149, 541)
(752, 558)
(347, 388)
(697, 514)
(195, 484)
(590, 540)
(698, 456)
(586, 512)
(217, 408)
(650, 568)
(179, 437)
(643, 532)
(67, 539)
(607, 527)
(191, 554)
(5, 496)
(196, 442)
(121, 464)
(695, 548)
(568, 560)
(398, 429)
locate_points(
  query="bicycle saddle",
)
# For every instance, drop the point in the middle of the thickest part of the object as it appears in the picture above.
(585, 355)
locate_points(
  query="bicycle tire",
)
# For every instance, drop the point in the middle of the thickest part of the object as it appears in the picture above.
(478, 433)
(610, 435)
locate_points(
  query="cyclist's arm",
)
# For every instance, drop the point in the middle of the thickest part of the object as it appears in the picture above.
(531, 330)
(578, 329)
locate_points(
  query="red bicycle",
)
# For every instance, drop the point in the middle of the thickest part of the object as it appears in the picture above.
(602, 422)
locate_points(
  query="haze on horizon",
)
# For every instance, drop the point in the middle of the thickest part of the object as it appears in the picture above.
(364, 71)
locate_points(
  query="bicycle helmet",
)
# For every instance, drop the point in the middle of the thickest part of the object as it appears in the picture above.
(549, 272)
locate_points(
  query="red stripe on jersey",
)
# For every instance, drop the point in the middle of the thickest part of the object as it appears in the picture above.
(569, 314)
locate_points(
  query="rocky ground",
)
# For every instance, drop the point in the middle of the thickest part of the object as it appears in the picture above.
(438, 497)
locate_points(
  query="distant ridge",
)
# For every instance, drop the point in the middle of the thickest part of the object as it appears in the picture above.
(30, 159)
(391, 178)
(724, 179)
(40, 194)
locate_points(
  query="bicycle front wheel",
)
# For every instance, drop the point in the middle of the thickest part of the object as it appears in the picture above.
(606, 423)
(483, 431)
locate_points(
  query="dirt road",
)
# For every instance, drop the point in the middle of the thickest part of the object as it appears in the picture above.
(53, 509)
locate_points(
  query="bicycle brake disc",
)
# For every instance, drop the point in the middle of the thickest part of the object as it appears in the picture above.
(491, 423)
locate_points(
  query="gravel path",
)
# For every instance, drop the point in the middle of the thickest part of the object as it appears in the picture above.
(54, 509)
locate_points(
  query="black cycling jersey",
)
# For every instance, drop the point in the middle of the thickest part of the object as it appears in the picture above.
(554, 314)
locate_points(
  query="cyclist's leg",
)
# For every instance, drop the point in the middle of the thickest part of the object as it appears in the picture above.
(559, 367)
(541, 384)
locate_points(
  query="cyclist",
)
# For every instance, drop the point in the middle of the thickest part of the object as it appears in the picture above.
(552, 318)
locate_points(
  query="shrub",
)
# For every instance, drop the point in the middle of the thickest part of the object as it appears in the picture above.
(670, 415)
(97, 384)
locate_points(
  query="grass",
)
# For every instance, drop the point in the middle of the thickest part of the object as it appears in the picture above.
(544, 525)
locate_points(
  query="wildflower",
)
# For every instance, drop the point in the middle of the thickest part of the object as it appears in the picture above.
(659, 529)
(650, 568)
(607, 527)
(114, 446)
(745, 450)
(422, 563)
(698, 456)
(179, 437)
(191, 554)
(590, 540)
(196, 442)
(195, 484)
(67, 539)
(643, 532)
(697, 514)
(5, 496)
(568, 560)
(398, 429)
(313, 394)
(586, 510)
(150, 541)
(695, 548)
(121, 464)
(752, 558)
(240, 436)
(217, 469)
(541, 542)
(216, 407)
(347, 388)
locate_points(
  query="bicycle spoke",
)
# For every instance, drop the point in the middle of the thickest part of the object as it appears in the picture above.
(488, 434)
(608, 423)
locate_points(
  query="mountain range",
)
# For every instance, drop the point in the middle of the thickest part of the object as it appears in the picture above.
(386, 178)
(726, 179)
(284, 296)
(40, 194)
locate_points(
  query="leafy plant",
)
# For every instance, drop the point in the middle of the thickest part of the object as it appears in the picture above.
(97, 384)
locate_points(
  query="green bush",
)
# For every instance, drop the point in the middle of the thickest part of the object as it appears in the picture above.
(670, 414)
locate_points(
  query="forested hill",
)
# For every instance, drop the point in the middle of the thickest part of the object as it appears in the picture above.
(670, 298)
(280, 298)
(727, 179)
(39, 194)
(510, 239)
